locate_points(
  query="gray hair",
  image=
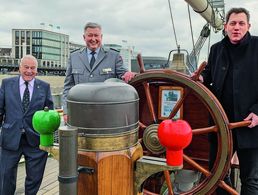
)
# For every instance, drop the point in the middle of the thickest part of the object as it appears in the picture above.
(31, 57)
(92, 25)
(238, 11)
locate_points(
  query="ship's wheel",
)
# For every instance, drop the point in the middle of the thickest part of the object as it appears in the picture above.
(194, 103)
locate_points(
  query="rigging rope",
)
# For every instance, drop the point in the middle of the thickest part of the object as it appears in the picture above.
(191, 27)
(213, 15)
(209, 44)
(171, 16)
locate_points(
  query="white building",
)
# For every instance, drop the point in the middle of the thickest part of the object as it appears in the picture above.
(126, 52)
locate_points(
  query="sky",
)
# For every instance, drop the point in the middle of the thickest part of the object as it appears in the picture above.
(145, 25)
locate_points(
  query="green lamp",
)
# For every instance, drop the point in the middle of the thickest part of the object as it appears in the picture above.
(45, 122)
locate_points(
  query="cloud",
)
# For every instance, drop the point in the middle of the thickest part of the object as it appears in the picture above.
(144, 24)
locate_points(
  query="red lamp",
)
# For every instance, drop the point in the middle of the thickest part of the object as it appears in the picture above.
(175, 136)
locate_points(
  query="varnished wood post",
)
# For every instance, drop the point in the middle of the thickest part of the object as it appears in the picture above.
(113, 173)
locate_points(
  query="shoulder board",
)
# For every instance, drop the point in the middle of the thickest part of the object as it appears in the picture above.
(114, 50)
(75, 50)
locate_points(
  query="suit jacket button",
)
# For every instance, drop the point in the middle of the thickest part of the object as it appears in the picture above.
(91, 75)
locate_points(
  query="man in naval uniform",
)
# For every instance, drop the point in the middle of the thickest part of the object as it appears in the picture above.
(93, 63)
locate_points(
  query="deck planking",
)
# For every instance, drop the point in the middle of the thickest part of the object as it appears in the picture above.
(49, 185)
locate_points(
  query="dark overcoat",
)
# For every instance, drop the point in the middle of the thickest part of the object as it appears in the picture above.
(244, 86)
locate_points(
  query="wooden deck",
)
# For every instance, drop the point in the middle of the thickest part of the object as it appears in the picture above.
(50, 184)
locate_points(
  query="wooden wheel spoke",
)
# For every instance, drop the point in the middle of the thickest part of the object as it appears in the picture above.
(143, 126)
(169, 183)
(205, 130)
(149, 101)
(179, 103)
(228, 188)
(140, 62)
(199, 71)
(196, 165)
(239, 124)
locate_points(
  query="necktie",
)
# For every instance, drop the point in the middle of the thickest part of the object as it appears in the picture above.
(26, 97)
(92, 60)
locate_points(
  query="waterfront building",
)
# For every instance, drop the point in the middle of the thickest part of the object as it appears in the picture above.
(73, 46)
(5, 56)
(5, 52)
(150, 62)
(6, 61)
(129, 54)
(126, 51)
(50, 48)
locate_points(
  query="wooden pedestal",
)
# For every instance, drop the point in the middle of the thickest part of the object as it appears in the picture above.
(113, 171)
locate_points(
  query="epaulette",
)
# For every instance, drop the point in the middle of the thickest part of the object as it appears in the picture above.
(114, 49)
(75, 50)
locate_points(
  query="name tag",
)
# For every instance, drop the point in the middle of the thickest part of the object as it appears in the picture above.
(106, 70)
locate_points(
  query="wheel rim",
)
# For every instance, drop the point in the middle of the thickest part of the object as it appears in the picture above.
(214, 177)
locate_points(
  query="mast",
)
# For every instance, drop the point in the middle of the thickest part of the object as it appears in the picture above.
(204, 8)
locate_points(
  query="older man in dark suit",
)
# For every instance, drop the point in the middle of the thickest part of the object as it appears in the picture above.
(20, 98)
(93, 63)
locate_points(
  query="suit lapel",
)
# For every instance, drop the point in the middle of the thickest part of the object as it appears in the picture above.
(16, 90)
(84, 58)
(101, 56)
(35, 92)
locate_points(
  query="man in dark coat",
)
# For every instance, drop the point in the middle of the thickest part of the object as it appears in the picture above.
(232, 75)
(20, 98)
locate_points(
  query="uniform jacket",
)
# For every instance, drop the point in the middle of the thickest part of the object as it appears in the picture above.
(108, 64)
(245, 79)
(14, 118)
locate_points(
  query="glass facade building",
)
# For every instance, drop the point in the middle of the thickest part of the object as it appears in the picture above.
(50, 48)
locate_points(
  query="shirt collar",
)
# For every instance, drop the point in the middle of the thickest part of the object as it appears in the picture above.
(30, 83)
(89, 51)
